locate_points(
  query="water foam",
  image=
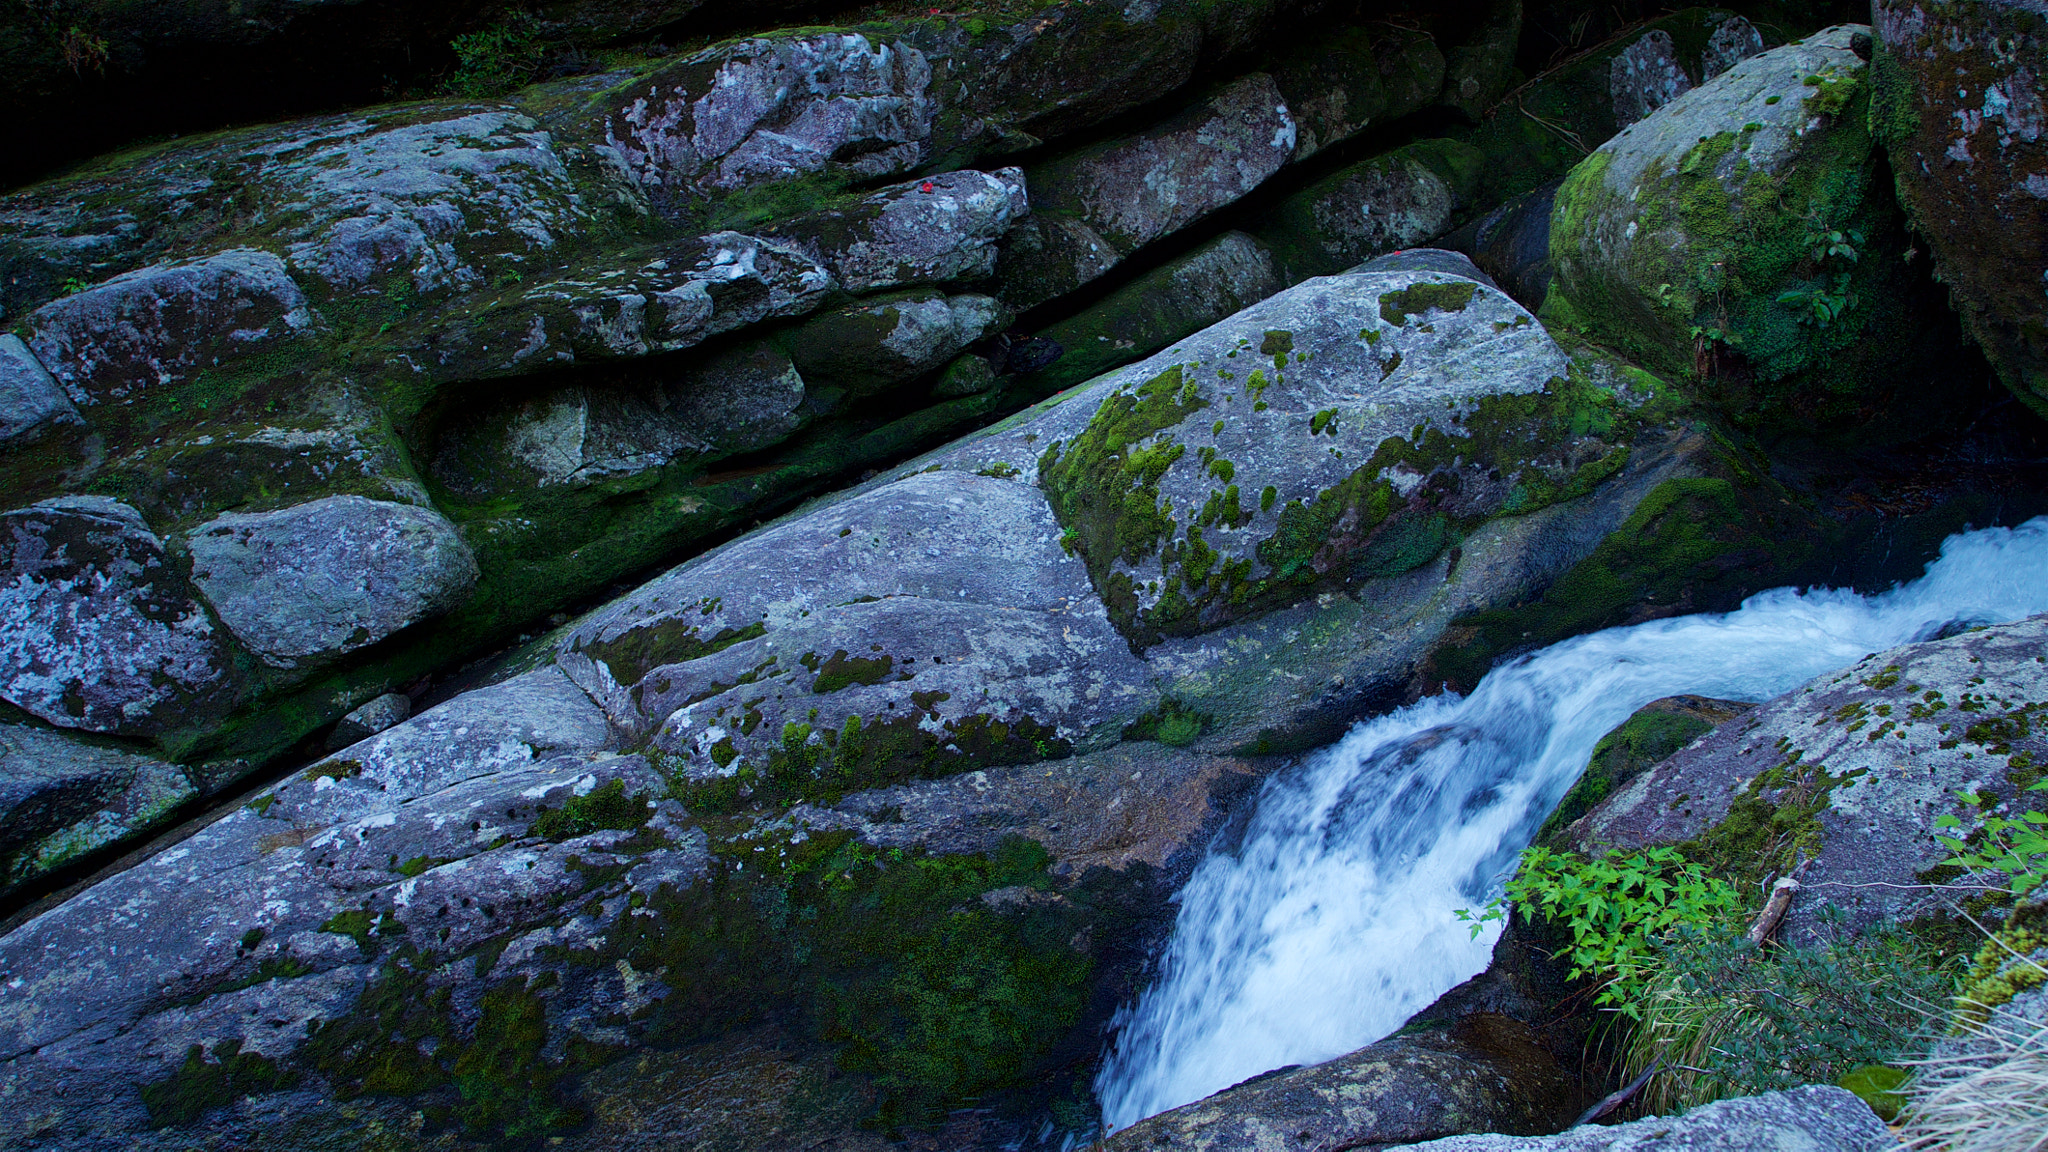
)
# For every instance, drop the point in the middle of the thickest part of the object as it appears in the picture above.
(1331, 923)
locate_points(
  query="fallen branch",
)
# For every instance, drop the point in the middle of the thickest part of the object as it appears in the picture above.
(1774, 910)
(1617, 1099)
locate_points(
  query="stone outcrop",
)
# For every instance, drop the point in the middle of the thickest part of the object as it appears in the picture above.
(1817, 1118)
(1959, 106)
(1787, 311)
(1850, 773)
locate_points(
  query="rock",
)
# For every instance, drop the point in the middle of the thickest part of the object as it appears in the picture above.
(162, 326)
(1777, 316)
(1568, 111)
(875, 343)
(931, 622)
(61, 798)
(1478, 71)
(101, 631)
(967, 376)
(1958, 104)
(1396, 200)
(767, 109)
(1646, 77)
(1048, 255)
(739, 399)
(1351, 79)
(1486, 1073)
(924, 232)
(1816, 1118)
(1184, 296)
(1854, 768)
(328, 577)
(1135, 189)
(30, 398)
(370, 719)
(1645, 739)
(1733, 42)
(1512, 243)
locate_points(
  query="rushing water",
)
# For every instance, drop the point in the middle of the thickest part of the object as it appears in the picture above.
(1332, 922)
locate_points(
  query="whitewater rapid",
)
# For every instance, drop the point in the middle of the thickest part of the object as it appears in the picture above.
(1332, 921)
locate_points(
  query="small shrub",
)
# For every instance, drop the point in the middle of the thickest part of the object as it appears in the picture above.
(498, 59)
(1730, 1019)
(1620, 907)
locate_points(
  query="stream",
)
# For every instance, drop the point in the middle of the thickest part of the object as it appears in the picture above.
(1331, 921)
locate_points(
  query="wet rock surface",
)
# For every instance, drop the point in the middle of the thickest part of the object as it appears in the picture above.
(1850, 773)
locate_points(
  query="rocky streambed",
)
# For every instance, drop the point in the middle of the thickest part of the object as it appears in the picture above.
(714, 597)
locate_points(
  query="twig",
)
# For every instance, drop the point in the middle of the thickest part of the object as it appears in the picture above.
(1617, 1099)
(1774, 910)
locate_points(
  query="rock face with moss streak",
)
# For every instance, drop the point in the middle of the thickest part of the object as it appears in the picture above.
(1739, 235)
(1959, 105)
(1852, 771)
(1392, 201)
(907, 678)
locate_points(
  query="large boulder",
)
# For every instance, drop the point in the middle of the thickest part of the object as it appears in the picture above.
(1815, 1118)
(1487, 1073)
(1118, 196)
(1849, 774)
(101, 630)
(60, 799)
(1958, 104)
(1392, 201)
(1352, 79)
(1740, 235)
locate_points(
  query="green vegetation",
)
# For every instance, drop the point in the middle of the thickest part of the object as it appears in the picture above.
(1619, 907)
(1173, 723)
(1730, 1019)
(200, 1084)
(939, 976)
(496, 60)
(1623, 754)
(600, 808)
(2016, 848)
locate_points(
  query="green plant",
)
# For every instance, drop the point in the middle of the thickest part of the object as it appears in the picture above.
(1727, 1018)
(2016, 848)
(498, 59)
(1619, 907)
(606, 807)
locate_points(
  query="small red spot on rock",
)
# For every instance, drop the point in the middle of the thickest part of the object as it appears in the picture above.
(927, 185)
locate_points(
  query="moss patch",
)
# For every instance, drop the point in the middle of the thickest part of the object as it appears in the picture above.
(600, 808)
(1640, 742)
(202, 1084)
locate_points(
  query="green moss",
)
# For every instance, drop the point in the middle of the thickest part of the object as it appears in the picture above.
(674, 640)
(362, 925)
(600, 808)
(841, 671)
(1643, 740)
(1173, 723)
(1420, 299)
(893, 957)
(201, 1084)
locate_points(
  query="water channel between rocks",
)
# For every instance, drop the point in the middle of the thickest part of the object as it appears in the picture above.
(1331, 922)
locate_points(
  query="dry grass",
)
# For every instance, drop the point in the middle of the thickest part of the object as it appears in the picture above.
(1991, 1096)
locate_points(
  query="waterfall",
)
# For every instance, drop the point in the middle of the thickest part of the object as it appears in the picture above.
(1331, 922)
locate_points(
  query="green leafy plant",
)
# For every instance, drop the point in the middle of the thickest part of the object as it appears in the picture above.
(2016, 848)
(1620, 907)
(1727, 1018)
(495, 60)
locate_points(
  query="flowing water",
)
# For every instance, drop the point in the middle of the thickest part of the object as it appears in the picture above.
(1331, 923)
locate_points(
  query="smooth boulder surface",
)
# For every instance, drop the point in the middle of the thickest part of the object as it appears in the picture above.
(1393, 201)
(1852, 770)
(1959, 105)
(1816, 1118)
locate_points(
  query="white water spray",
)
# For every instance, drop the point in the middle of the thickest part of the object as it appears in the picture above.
(1332, 923)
